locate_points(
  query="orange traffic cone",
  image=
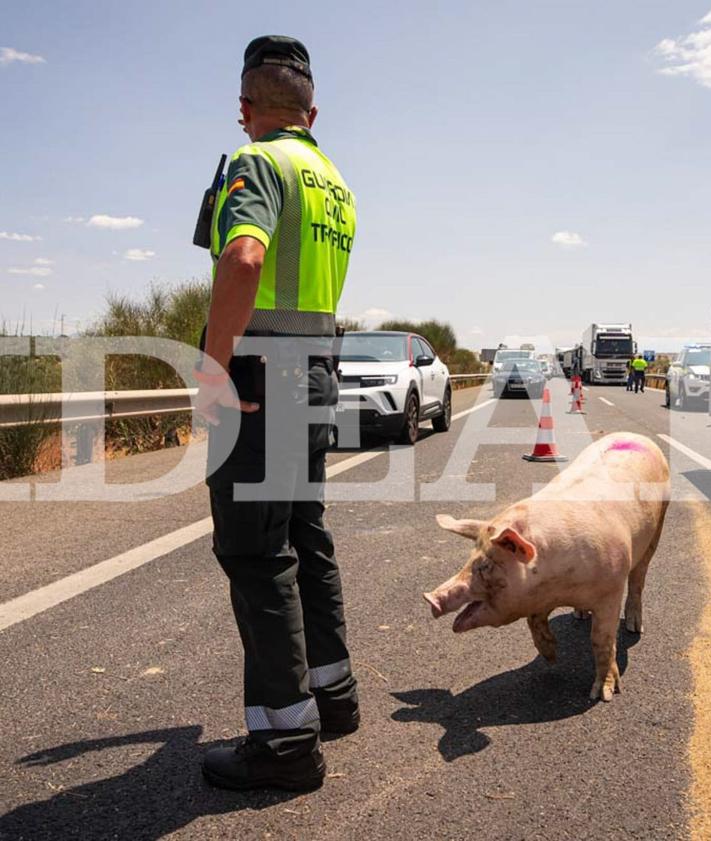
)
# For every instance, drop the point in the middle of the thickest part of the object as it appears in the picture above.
(576, 403)
(545, 449)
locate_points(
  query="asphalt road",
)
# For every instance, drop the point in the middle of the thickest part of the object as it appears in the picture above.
(110, 698)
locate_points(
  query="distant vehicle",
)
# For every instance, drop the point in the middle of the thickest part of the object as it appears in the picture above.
(568, 362)
(604, 352)
(546, 368)
(519, 376)
(397, 380)
(559, 355)
(688, 378)
(507, 354)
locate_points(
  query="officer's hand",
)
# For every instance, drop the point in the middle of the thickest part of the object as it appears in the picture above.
(209, 397)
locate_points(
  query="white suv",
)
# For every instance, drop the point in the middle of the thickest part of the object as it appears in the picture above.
(688, 378)
(396, 381)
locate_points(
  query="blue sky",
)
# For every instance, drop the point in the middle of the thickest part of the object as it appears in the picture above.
(471, 132)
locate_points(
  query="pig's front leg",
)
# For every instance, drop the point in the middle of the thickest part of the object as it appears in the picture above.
(606, 618)
(543, 637)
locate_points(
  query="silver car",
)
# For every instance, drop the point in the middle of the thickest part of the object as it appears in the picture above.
(688, 378)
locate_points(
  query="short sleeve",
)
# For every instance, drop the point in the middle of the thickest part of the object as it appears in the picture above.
(253, 202)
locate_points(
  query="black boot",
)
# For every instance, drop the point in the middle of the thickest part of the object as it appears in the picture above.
(252, 765)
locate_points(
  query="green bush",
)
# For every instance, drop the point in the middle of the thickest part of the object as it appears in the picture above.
(440, 335)
(176, 313)
(20, 446)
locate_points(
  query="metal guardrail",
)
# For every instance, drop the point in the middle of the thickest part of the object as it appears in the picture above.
(656, 381)
(460, 377)
(88, 406)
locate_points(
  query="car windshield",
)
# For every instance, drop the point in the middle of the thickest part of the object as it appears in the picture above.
(702, 356)
(521, 365)
(613, 346)
(373, 347)
(504, 355)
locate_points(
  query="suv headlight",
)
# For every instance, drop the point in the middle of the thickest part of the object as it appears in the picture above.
(377, 380)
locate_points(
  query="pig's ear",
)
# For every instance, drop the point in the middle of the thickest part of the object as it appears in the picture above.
(467, 528)
(510, 540)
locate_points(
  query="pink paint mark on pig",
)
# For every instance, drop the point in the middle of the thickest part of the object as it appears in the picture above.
(633, 446)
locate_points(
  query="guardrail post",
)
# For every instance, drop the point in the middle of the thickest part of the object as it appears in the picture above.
(85, 443)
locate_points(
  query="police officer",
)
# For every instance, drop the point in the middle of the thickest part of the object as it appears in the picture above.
(630, 373)
(282, 233)
(639, 366)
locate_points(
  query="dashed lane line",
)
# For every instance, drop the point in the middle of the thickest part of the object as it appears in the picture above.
(606, 401)
(692, 454)
(43, 598)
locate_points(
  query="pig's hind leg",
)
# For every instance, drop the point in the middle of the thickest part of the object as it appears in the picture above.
(605, 621)
(635, 584)
(543, 637)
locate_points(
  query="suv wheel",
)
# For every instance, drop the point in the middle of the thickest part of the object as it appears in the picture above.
(442, 422)
(683, 398)
(667, 397)
(411, 426)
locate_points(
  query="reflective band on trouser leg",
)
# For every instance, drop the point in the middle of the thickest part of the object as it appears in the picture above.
(326, 675)
(294, 717)
(286, 291)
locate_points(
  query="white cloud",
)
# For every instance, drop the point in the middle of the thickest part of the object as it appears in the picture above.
(138, 254)
(689, 56)
(43, 261)
(114, 223)
(18, 237)
(74, 219)
(376, 314)
(39, 286)
(34, 271)
(568, 239)
(8, 55)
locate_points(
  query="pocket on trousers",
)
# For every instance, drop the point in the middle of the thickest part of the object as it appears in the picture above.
(246, 527)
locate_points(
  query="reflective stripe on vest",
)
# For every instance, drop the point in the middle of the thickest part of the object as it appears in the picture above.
(288, 255)
(292, 323)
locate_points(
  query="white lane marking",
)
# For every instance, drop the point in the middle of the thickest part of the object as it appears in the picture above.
(353, 461)
(43, 598)
(605, 400)
(473, 408)
(692, 454)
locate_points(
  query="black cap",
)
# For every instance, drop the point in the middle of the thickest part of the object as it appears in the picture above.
(277, 49)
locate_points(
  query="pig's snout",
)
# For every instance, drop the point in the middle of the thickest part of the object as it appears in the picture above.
(433, 602)
(448, 597)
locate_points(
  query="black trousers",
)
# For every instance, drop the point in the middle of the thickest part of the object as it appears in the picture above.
(285, 584)
(639, 380)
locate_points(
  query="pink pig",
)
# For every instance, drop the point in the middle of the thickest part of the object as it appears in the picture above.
(574, 543)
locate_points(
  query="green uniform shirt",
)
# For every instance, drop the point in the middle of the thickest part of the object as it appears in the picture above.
(639, 364)
(283, 191)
